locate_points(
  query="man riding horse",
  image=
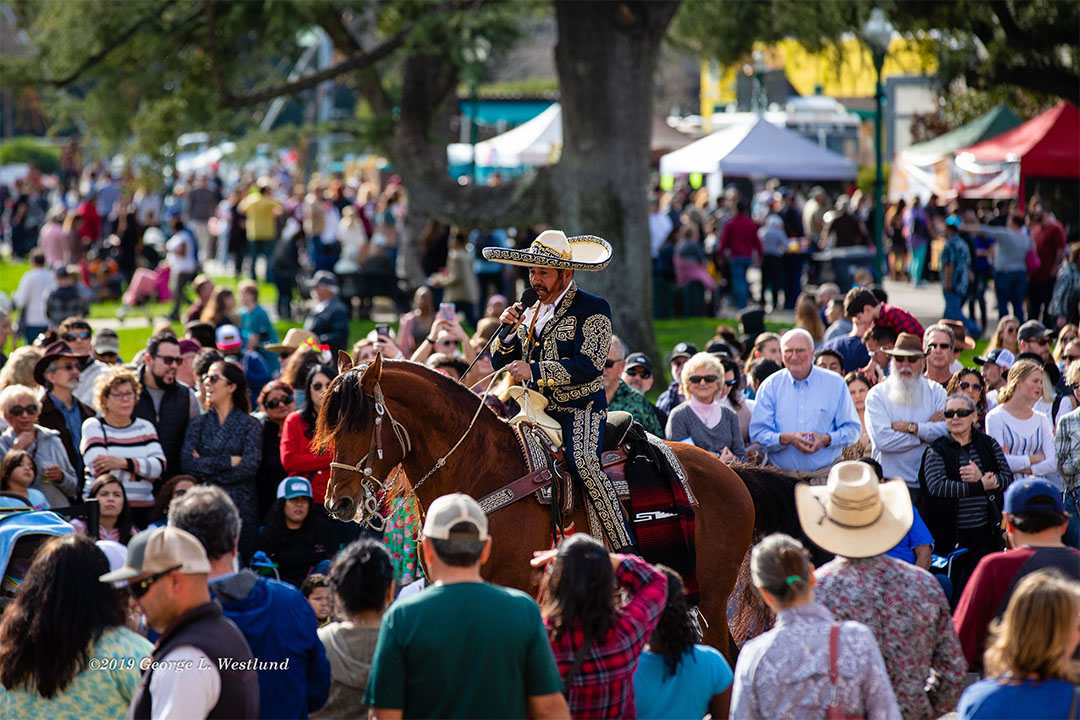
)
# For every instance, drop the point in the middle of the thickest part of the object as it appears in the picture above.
(559, 347)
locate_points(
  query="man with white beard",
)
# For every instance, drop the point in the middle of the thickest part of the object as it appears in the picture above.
(904, 413)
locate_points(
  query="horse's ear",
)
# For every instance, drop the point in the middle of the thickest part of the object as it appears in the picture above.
(344, 362)
(372, 374)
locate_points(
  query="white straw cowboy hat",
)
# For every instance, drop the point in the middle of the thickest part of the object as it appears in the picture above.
(552, 248)
(854, 515)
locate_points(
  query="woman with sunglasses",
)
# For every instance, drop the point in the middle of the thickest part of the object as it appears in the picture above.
(703, 418)
(276, 401)
(1066, 335)
(299, 428)
(223, 446)
(117, 442)
(55, 476)
(1005, 335)
(114, 511)
(963, 479)
(970, 383)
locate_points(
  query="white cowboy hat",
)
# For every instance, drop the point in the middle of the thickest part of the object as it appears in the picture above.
(854, 515)
(552, 248)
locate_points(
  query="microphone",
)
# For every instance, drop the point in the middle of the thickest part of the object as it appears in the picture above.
(528, 299)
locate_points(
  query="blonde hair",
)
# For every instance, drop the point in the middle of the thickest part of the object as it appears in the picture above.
(19, 369)
(1034, 634)
(1020, 370)
(11, 393)
(1059, 346)
(995, 340)
(110, 380)
(808, 317)
(702, 359)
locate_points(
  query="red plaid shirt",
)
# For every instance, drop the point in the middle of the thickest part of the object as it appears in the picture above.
(604, 686)
(899, 320)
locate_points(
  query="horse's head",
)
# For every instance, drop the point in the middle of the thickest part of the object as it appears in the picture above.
(354, 425)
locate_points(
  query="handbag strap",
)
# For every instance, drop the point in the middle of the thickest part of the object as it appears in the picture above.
(834, 643)
(578, 660)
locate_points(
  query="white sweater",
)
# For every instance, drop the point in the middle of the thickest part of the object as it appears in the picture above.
(1020, 439)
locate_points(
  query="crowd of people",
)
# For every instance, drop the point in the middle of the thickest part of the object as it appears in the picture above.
(195, 497)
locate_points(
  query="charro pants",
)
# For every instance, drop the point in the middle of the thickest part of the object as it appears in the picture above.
(583, 436)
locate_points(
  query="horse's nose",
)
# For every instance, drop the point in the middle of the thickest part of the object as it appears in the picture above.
(342, 509)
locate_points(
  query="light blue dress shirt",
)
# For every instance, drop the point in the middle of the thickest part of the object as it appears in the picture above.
(819, 403)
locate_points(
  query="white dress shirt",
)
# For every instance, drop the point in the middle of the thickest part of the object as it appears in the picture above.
(546, 313)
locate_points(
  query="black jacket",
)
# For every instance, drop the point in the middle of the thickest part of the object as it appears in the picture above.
(171, 421)
(52, 418)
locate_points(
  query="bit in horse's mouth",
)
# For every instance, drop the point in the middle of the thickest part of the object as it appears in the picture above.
(343, 509)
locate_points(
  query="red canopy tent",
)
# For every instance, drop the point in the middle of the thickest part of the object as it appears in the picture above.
(1045, 146)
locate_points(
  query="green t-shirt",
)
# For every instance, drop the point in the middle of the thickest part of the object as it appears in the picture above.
(465, 650)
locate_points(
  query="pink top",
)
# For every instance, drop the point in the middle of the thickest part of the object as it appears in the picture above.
(708, 413)
(52, 242)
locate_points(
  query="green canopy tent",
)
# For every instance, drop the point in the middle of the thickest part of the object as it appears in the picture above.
(926, 168)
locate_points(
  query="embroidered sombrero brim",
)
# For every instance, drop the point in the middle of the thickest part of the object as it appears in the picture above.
(587, 252)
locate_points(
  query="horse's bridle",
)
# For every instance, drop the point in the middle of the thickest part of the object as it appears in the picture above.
(367, 508)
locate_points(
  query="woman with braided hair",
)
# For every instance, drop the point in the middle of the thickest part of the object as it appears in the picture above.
(676, 677)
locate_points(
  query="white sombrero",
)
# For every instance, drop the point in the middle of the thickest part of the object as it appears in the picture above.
(553, 249)
(854, 515)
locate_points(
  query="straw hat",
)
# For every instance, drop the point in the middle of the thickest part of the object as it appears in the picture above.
(854, 515)
(963, 340)
(552, 248)
(294, 338)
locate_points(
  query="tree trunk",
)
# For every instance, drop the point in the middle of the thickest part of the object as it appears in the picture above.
(606, 56)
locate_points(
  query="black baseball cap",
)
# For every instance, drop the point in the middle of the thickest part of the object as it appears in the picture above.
(1032, 329)
(638, 359)
(683, 350)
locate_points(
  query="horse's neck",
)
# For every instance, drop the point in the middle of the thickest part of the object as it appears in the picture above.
(487, 458)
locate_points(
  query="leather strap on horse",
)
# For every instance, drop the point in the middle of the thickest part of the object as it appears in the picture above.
(509, 494)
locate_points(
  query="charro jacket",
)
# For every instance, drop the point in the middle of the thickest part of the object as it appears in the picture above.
(567, 357)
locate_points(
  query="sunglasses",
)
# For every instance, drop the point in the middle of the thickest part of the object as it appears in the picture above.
(930, 347)
(140, 588)
(319, 386)
(76, 335)
(170, 359)
(211, 379)
(913, 359)
(950, 414)
(18, 410)
(731, 383)
(1039, 341)
(272, 404)
(608, 364)
(971, 386)
(1072, 358)
(680, 361)
(640, 372)
(66, 368)
(695, 379)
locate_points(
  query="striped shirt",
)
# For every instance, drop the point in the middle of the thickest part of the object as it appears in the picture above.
(1068, 449)
(972, 509)
(138, 441)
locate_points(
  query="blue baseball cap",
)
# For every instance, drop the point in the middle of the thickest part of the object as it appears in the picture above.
(294, 487)
(1033, 496)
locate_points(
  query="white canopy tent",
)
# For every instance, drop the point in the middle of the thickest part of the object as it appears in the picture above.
(758, 149)
(529, 144)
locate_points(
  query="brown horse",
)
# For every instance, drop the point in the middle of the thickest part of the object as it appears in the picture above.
(424, 413)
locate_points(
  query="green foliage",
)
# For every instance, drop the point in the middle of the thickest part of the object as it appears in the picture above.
(1029, 44)
(26, 149)
(865, 179)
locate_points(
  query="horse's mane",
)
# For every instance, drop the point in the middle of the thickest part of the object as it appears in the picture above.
(346, 406)
(773, 493)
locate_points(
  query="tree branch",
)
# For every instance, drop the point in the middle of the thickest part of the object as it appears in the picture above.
(309, 81)
(118, 40)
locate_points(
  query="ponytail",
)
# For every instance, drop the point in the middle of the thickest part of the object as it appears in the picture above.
(781, 565)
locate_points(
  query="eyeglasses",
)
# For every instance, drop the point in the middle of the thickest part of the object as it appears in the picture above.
(640, 372)
(76, 335)
(931, 347)
(977, 387)
(211, 379)
(170, 359)
(913, 359)
(695, 379)
(274, 403)
(140, 588)
(318, 386)
(122, 395)
(18, 410)
(608, 364)
(950, 414)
